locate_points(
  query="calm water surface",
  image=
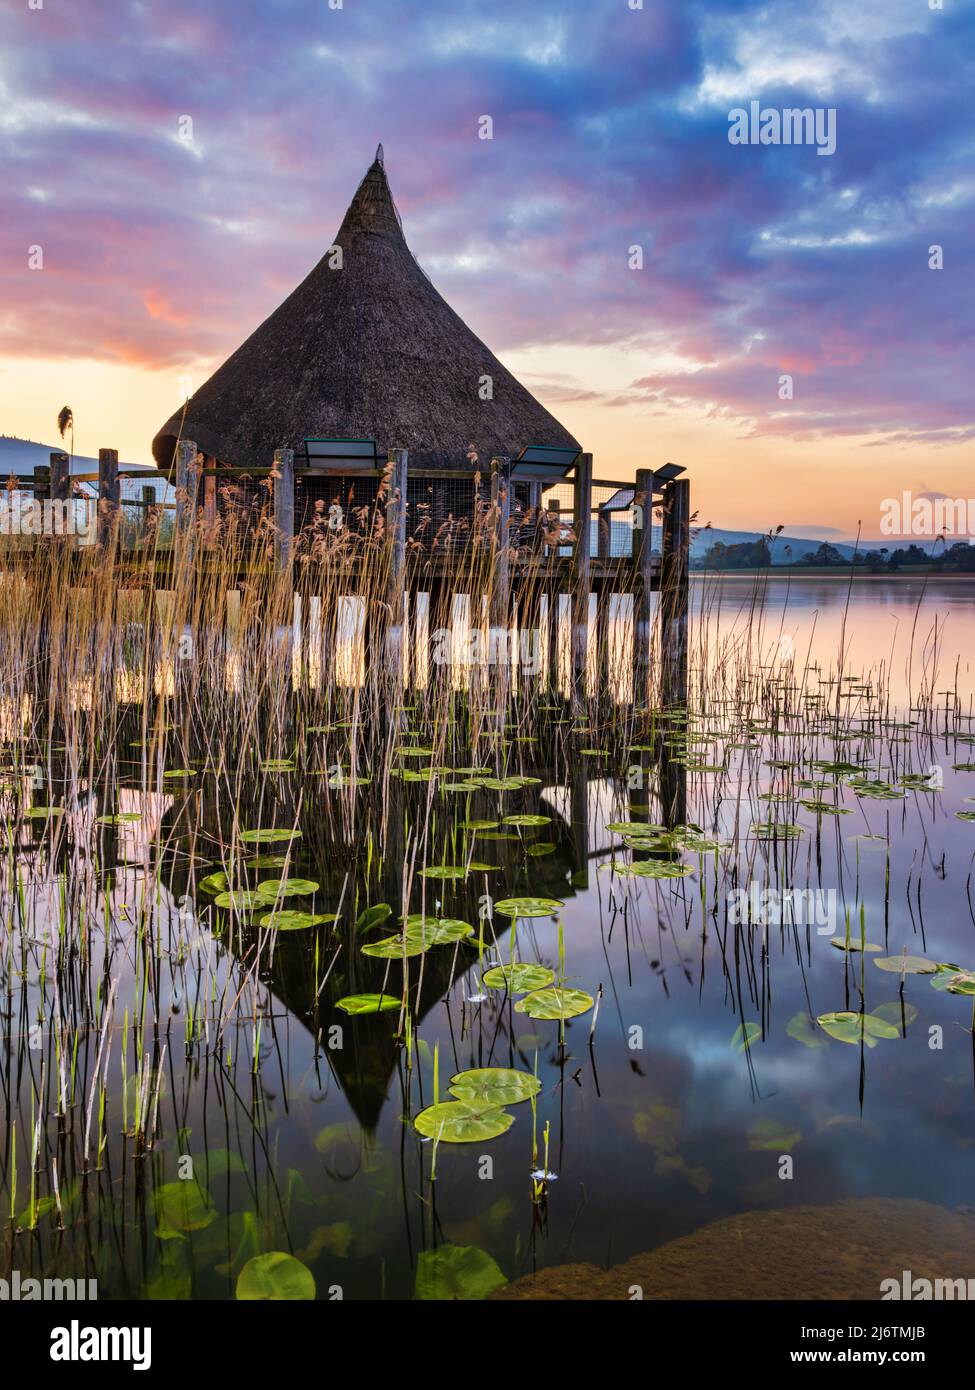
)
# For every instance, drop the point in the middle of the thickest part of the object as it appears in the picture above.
(658, 1124)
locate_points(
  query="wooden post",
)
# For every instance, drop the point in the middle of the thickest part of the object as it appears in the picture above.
(284, 506)
(582, 512)
(396, 537)
(108, 494)
(187, 483)
(642, 585)
(675, 591)
(604, 528)
(60, 478)
(554, 524)
(534, 529)
(209, 495)
(42, 482)
(59, 491)
(146, 506)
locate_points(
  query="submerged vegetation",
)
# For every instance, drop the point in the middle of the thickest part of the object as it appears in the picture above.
(293, 915)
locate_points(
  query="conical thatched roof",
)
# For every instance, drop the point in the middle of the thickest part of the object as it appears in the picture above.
(370, 350)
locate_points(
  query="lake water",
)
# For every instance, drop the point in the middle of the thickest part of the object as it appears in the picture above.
(297, 1117)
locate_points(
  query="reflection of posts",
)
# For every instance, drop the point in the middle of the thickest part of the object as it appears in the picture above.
(642, 586)
(554, 628)
(673, 785)
(580, 823)
(674, 591)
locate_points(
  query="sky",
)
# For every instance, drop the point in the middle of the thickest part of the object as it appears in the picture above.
(182, 166)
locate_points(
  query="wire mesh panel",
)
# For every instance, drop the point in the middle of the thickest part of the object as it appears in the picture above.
(242, 503)
(441, 512)
(611, 530)
(337, 503)
(560, 499)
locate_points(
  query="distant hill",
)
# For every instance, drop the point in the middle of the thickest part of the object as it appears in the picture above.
(19, 457)
(23, 456)
(785, 549)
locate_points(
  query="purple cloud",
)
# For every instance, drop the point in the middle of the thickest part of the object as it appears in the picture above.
(610, 131)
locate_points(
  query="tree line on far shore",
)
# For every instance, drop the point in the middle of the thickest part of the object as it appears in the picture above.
(956, 557)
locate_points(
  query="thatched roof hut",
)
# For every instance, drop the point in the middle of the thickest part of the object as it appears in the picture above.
(365, 347)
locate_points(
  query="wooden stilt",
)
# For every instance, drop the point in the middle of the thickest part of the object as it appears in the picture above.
(582, 513)
(60, 477)
(210, 513)
(642, 586)
(186, 483)
(108, 495)
(284, 507)
(674, 591)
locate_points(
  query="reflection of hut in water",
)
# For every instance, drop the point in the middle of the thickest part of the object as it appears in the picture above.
(365, 1064)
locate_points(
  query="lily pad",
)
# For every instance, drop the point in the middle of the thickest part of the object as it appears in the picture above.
(288, 887)
(528, 907)
(849, 1027)
(520, 978)
(907, 965)
(289, 919)
(654, 868)
(801, 1028)
(436, 931)
(371, 917)
(456, 1272)
(555, 1003)
(182, 1206)
(494, 1086)
(367, 1003)
(769, 1134)
(241, 900)
(276, 1277)
(457, 1122)
(213, 883)
(896, 1013)
(394, 948)
(745, 1034)
(268, 836)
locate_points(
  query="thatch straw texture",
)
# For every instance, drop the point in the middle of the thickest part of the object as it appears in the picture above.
(368, 350)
